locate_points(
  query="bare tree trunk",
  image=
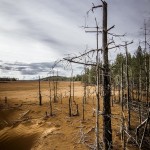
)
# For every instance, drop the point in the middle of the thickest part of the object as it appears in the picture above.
(70, 100)
(119, 90)
(98, 96)
(70, 103)
(149, 80)
(83, 105)
(85, 83)
(107, 133)
(139, 88)
(140, 94)
(84, 97)
(148, 90)
(149, 74)
(6, 100)
(73, 89)
(122, 92)
(128, 88)
(132, 86)
(50, 96)
(40, 97)
(114, 96)
(54, 89)
(146, 79)
(145, 64)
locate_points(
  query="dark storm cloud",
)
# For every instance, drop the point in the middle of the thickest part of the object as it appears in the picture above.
(29, 69)
(28, 72)
(6, 68)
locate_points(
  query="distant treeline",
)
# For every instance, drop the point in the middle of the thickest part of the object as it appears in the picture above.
(62, 78)
(8, 79)
(56, 78)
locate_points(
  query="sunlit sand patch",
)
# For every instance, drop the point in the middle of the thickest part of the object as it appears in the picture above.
(48, 132)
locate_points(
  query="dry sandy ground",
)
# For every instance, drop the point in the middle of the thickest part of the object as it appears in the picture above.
(24, 124)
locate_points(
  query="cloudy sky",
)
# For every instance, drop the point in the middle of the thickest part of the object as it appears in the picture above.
(36, 33)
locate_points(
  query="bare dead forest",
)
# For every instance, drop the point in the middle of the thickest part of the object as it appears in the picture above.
(107, 108)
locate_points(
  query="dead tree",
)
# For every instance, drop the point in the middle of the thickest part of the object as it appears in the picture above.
(107, 133)
(70, 91)
(97, 95)
(84, 97)
(98, 68)
(122, 89)
(128, 87)
(140, 90)
(119, 89)
(50, 98)
(40, 96)
(107, 129)
(70, 99)
(149, 70)
(56, 89)
(85, 82)
(132, 86)
(6, 100)
(149, 74)
(145, 64)
(114, 94)
(139, 106)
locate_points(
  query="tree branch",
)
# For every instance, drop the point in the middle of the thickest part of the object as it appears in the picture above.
(111, 28)
(120, 45)
(88, 64)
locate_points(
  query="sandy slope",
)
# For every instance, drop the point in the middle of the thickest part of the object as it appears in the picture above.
(24, 124)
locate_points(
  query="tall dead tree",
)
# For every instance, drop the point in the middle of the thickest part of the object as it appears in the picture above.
(70, 96)
(97, 94)
(84, 97)
(140, 88)
(107, 129)
(98, 68)
(145, 64)
(107, 133)
(128, 86)
(149, 71)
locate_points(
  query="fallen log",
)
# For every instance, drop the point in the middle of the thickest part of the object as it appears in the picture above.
(24, 114)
